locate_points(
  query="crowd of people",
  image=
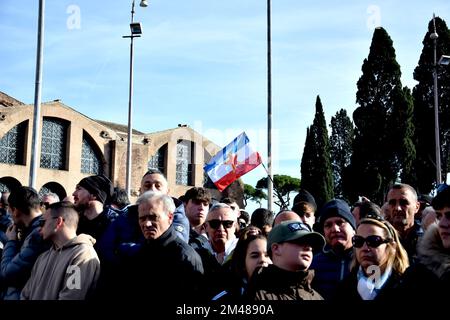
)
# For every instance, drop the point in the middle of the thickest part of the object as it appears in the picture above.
(95, 245)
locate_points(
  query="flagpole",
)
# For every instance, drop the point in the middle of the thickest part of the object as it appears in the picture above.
(269, 112)
(283, 204)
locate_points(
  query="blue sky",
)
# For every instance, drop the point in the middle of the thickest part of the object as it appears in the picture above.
(203, 62)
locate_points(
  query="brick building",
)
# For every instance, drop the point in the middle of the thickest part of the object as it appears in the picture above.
(73, 146)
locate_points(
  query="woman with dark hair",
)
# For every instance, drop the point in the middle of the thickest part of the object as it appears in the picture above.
(250, 253)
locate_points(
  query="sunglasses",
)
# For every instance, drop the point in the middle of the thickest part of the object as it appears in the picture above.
(42, 221)
(215, 224)
(296, 226)
(372, 241)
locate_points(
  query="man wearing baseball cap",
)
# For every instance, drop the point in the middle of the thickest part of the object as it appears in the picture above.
(290, 245)
(337, 224)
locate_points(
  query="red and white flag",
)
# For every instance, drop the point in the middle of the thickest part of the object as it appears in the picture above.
(232, 162)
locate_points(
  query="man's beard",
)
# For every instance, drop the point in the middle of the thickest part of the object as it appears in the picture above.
(81, 207)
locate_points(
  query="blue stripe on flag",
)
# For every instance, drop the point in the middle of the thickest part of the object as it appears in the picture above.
(222, 156)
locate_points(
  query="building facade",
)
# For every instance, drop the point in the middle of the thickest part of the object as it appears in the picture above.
(73, 146)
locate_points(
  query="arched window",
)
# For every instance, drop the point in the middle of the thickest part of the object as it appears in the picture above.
(90, 160)
(54, 143)
(53, 187)
(158, 161)
(12, 145)
(4, 187)
(184, 162)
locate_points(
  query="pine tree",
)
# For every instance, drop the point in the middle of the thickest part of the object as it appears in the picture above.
(283, 185)
(340, 148)
(378, 152)
(316, 170)
(424, 166)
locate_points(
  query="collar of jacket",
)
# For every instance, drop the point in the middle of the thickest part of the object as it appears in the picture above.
(168, 236)
(288, 278)
(347, 253)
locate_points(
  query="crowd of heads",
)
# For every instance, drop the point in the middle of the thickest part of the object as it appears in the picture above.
(376, 235)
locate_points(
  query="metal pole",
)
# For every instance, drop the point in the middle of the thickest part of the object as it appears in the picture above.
(269, 111)
(130, 112)
(434, 36)
(37, 96)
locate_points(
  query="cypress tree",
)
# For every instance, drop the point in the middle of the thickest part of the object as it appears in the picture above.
(377, 149)
(340, 148)
(316, 170)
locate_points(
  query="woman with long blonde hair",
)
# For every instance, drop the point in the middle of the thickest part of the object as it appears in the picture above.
(379, 262)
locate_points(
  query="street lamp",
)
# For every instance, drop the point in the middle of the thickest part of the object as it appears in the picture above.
(135, 32)
(444, 60)
(269, 108)
(37, 95)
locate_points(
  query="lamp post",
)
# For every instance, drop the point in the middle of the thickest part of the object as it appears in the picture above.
(37, 95)
(269, 111)
(135, 32)
(434, 37)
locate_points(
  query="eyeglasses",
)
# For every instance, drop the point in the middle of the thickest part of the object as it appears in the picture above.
(226, 224)
(42, 221)
(372, 241)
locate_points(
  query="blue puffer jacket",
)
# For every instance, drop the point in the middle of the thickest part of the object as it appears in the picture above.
(122, 234)
(330, 269)
(18, 259)
(5, 222)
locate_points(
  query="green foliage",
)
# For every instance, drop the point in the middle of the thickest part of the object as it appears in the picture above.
(382, 148)
(283, 185)
(316, 164)
(340, 148)
(253, 194)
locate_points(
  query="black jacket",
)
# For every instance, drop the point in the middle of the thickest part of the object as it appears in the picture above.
(347, 290)
(164, 269)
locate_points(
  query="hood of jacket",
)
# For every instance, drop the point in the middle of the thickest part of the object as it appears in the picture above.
(432, 253)
(79, 239)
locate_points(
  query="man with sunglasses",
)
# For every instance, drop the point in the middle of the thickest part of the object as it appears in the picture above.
(220, 228)
(331, 266)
